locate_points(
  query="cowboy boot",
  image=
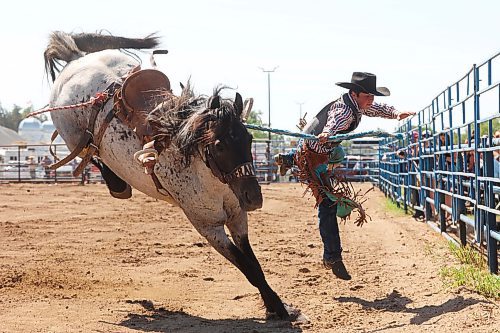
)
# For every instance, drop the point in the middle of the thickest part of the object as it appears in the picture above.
(338, 268)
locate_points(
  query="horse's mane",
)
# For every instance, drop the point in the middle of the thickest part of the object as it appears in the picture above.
(68, 47)
(187, 121)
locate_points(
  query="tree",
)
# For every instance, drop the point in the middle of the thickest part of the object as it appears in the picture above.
(255, 118)
(12, 118)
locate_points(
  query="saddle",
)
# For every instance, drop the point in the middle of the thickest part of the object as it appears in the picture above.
(137, 98)
(133, 100)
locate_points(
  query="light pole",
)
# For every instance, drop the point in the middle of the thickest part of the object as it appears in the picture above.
(269, 71)
(300, 108)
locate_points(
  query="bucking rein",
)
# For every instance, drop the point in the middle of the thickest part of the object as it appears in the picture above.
(130, 106)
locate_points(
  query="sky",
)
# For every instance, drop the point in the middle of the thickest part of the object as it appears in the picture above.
(416, 48)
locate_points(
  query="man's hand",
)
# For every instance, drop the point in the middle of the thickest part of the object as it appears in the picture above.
(302, 122)
(405, 114)
(323, 137)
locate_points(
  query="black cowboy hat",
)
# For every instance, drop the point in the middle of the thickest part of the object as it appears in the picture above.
(365, 82)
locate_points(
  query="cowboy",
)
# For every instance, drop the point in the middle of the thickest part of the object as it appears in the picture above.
(339, 117)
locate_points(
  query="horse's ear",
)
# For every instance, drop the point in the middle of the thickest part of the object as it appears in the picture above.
(182, 86)
(214, 102)
(238, 104)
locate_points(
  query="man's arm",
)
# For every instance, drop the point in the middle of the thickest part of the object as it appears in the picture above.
(386, 111)
(381, 110)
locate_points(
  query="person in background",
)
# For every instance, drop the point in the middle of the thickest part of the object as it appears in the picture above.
(46, 162)
(32, 166)
(496, 155)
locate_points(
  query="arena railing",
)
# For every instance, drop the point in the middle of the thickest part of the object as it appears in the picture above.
(447, 165)
(360, 163)
(29, 163)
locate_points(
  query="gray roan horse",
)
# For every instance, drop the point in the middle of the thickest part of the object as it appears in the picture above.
(204, 145)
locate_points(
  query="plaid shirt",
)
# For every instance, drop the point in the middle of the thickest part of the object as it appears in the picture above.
(341, 117)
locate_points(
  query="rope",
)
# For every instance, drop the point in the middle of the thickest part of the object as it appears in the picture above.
(338, 137)
(99, 98)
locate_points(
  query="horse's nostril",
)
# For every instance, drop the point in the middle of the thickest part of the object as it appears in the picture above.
(252, 198)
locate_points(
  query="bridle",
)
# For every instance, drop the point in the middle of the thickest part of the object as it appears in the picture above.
(245, 170)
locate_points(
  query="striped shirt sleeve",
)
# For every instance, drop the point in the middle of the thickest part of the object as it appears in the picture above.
(380, 110)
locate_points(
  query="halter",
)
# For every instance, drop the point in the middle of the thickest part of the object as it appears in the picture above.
(245, 170)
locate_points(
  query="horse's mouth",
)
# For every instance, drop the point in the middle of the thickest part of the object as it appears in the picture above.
(249, 194)
(251, 203)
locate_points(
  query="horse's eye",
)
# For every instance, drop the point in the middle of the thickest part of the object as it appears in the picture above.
(218, 146)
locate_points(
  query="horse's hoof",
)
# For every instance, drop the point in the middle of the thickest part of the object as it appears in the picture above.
(292, 314)
(295, 315)
(126, 194)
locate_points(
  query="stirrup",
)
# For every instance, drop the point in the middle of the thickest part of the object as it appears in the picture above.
(147, 158)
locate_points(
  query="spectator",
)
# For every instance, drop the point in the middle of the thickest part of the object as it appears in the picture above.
(496, 157)
(86, 174)
(445, 144)
(32, 166)
(496, 161)
(46, 162)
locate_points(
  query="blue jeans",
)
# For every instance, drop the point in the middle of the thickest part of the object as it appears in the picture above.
(329, 230)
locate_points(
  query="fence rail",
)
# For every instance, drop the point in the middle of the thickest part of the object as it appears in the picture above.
(447, 166)
(29, 163)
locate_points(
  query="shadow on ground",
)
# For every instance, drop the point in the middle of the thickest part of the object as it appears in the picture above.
(159, 319)
(395, 302)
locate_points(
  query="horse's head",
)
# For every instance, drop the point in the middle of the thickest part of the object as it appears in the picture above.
(227, 150)
(214, 128)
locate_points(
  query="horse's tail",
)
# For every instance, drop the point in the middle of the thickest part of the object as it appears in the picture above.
(68, 47)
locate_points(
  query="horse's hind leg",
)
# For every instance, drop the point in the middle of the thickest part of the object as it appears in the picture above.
(247, 263)
(117, 187)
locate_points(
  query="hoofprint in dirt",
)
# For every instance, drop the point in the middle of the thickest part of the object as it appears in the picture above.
(73, 259)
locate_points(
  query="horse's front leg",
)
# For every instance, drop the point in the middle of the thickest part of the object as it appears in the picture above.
(246, 263)
(238, 226)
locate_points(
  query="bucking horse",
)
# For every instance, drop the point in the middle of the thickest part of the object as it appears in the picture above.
(195, 149)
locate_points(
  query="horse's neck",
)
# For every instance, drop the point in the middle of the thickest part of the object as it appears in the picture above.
(195, 177)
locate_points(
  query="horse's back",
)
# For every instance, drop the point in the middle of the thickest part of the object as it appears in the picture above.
(90, 74)
(81, 80)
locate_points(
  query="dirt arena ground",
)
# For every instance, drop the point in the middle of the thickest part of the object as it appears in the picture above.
(73, 259)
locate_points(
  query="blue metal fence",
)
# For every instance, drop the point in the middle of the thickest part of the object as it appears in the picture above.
(447, 165)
